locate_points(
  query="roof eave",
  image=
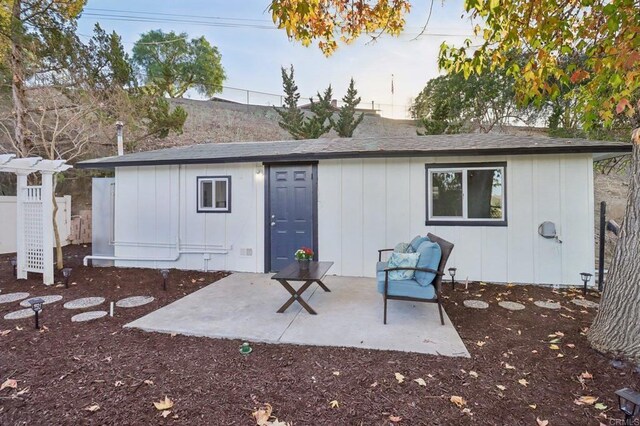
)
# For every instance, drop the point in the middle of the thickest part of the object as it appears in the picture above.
(110, 164)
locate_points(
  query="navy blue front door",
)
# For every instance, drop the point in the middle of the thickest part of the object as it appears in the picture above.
(291, 212)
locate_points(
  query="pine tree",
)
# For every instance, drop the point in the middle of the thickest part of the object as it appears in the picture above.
(291, 118)
(320, 123)
(347, 122)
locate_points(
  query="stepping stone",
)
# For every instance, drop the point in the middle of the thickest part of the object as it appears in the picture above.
(13, 297)
(88, 316)
(512, 306)
(134, 301)
(585, 303)
(47, 300)
(547, 304)
(22, 313)
(85, 302)
(476, 304)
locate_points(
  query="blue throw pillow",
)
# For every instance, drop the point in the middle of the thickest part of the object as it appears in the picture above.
(415, 243)
(408, 260)
(403, 248)
(430, 255)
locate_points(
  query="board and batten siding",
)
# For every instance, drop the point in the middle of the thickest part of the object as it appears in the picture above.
(157, 224)
(368, 204)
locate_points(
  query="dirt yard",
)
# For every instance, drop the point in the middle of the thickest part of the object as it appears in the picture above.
(525, 365)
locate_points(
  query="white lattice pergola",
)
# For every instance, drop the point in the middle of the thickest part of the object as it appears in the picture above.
(34, 230)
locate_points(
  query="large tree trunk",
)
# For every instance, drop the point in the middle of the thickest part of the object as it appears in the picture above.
(616, 328)
(17, 80)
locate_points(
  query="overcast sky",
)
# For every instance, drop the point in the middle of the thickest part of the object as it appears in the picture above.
(253, 50)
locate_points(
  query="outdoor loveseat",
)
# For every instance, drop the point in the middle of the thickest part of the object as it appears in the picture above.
(426, 281)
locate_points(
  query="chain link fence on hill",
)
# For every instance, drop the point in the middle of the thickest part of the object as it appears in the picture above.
(254, 97)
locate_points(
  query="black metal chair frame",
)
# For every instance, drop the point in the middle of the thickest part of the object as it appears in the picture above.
(446, 247)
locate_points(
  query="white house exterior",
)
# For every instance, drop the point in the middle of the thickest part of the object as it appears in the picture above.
(214, 206)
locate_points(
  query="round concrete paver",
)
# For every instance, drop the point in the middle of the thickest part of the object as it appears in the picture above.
(585, 303)
(13, 297)
(476, 304)
(22, 313)
(512, 306)
(134, 301)
(86, 302)
(47, 300)
(88, 316)
(547, 304)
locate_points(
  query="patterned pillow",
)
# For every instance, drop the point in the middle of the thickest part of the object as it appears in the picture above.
(403, 248)
(409, 260)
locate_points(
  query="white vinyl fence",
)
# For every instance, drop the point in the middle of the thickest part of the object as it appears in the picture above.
(8, 222)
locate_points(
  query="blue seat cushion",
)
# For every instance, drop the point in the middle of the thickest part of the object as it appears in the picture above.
(417, 240)
(430, 255)
(407, 288)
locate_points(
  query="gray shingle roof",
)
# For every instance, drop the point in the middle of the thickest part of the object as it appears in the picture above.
(317, 149)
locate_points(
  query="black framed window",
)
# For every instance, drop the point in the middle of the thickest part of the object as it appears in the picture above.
(466, 194)
(214, 194)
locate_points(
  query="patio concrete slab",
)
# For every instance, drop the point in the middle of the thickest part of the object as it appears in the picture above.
(243, 306)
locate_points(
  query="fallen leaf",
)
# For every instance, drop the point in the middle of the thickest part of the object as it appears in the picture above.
(559, 356)
(44, 329)
(336, 373)
(554, 347)
(165, 413)
(509, 366)
(395, 419)
(600, 406)
(334, 404)
(586, 375)
(399, 378)
(534, 351)
(542, 422)
(9, 383)
(148, 382)
(263, 414)
(571, 345)
(458, 400)
(118, 383)
(523, 382)
(420, 381)
(19, 328)
(554, 341)
(559, 333)
(467, 412)
(373, 385)
(585, 400)
(163, 404)
(481, 343)
(92, 408)
(501, 387)
(533, 406)
(22, 392)
(4, 332)
(277, 422)
(473, 374)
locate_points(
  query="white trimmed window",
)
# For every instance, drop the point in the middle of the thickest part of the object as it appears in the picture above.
(214, 194)
(466, 194)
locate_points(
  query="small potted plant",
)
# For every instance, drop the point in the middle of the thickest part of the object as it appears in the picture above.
(303, 256)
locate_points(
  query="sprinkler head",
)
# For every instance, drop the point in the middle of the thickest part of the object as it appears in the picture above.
(245, 349)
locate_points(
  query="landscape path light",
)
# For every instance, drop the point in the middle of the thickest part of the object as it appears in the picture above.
(36, 306)
(452, 272)
(629, 401)
(165, 277)
(66, 273)
(586, 277)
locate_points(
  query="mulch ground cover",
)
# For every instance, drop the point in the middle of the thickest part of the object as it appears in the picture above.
(526, 367)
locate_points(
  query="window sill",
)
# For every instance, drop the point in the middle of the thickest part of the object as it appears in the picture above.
(466, 223)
